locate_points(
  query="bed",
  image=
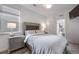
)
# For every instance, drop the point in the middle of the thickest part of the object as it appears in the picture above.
(41, 43)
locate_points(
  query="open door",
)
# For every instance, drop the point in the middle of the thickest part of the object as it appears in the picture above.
(61, 27)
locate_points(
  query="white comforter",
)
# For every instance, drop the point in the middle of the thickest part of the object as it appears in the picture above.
(46, 44)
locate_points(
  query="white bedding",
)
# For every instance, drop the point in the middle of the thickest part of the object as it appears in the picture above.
(46, 44)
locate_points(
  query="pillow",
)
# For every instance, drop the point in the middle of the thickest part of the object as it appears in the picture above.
(39, 32)
(29, 32)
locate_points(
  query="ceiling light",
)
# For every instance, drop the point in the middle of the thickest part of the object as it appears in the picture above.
(48, 5)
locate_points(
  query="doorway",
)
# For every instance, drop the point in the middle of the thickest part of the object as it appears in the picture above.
(61, 27)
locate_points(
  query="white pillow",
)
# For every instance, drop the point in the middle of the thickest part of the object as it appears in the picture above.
(39, 32)
(29, 32)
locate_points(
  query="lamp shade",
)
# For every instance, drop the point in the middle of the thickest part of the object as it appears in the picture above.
(11, 25)
(43, 26)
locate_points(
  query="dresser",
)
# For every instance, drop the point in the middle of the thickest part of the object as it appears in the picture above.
(16, 42)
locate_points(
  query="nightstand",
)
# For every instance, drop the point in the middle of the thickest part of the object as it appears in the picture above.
(16, 42)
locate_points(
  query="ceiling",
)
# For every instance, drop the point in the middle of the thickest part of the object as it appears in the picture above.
(56, 8)
(40, 9)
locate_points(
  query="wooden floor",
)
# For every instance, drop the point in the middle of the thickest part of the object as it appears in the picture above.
(19, 51)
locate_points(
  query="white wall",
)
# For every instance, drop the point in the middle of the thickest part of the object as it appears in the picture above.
(52, 25)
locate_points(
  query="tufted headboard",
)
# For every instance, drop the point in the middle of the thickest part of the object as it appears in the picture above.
(30, 26)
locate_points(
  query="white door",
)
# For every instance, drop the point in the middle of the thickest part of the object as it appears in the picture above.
(61, 27)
